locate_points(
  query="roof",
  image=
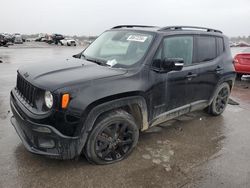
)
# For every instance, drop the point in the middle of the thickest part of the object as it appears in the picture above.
(168, 28)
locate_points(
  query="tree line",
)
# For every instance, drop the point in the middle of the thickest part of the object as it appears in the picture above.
(240, 39)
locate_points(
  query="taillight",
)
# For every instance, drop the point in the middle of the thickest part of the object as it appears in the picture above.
(235, 60)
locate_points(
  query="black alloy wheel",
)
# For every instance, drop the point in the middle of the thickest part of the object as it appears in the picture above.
(112, 139)
(220, 100)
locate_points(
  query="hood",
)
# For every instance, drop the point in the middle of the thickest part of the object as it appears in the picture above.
(66, 72)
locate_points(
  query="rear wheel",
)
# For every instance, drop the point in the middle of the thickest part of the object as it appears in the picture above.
(220, 100)
(112, 139)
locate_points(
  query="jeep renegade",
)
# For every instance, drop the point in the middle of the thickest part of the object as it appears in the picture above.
(128, 80)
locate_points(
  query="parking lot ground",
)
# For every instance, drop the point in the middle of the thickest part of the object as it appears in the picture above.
(195, 150)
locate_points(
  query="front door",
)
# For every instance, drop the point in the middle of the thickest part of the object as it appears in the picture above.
(172, 89)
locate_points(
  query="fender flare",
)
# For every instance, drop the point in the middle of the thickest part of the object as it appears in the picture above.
(229, 79)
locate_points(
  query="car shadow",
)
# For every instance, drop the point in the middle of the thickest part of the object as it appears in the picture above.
(26, 159)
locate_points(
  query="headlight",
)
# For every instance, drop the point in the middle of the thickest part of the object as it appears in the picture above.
(48, 98)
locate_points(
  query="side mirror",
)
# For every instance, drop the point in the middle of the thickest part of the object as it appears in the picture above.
(172, 64)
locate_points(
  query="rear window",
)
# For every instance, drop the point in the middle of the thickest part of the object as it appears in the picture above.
(220, 46)
(206, 48)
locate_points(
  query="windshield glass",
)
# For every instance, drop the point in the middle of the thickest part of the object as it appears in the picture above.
(119, 49)
(246, 50)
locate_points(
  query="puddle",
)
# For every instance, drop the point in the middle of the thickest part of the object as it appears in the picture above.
(160, 155)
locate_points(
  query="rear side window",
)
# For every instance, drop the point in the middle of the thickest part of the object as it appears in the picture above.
(220, 45)
(206, 48)
(179, 47)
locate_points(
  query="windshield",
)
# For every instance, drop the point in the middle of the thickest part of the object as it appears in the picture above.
(246, 50)
(119, 49)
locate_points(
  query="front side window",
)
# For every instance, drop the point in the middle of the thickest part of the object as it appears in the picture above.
(119, 48)
(206, 48)
(175, 47)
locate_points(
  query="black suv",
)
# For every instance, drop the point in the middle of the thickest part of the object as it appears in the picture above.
(128, 80)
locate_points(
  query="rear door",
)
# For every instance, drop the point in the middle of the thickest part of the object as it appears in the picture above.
(209, 64)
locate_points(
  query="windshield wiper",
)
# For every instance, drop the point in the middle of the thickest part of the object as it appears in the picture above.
(97, 61)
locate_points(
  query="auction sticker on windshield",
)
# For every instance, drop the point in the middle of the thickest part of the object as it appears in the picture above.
(137, 38)
(111, 62)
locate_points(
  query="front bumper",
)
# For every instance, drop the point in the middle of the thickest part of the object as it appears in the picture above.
(43, 139)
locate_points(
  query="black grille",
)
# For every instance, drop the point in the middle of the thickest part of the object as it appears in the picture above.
(26, 90)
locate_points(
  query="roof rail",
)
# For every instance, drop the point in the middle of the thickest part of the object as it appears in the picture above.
(171, 28)
(131, 26)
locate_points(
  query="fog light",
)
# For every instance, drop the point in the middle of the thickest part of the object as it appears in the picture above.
(46, 143)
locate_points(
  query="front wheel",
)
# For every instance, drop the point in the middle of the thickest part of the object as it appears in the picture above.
(220, 100)
(112, 139)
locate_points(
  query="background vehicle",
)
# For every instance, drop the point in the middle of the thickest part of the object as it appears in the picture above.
(31, 39)
(129, 79)
(40, 37)
(68, 42)
(3, 41)
(88, 42)
(56, 38)
(242, 44)
(242, 63)
(232, 44)
(18, 38)
(10, 38)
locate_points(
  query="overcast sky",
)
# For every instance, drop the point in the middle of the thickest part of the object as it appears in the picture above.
(92, 17)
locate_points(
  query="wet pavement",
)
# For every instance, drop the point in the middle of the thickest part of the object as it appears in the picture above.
(195, 150)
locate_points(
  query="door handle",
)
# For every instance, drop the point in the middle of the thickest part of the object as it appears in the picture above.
(218, 69)
(191, 75)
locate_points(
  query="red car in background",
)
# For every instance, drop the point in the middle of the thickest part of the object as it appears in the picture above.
(242, 63)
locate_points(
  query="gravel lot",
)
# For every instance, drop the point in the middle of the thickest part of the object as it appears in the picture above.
(195, 150)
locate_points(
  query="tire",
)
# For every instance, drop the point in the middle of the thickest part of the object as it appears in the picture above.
(220, 100)
(112, 139)
(238, 76)
(68, 44)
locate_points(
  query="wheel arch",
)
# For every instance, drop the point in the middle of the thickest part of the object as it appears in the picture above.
(135, 105)
(229, 81)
